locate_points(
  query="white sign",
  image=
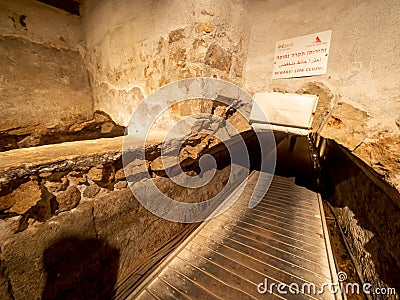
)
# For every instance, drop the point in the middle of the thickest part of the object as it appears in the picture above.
(302, 56)
(285, 109)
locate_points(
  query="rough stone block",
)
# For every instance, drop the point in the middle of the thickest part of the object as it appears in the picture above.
(217, 57)
(347, 125)
(24, 197)
(91, 191)
(95, 174)
(54, 187)
(69, 199)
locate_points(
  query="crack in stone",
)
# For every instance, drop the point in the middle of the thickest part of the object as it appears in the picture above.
(9, 288)
(3, 270)
(45, 44)
(94, 224)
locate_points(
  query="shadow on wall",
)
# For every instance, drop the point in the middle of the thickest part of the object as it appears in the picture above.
(359, 202)
(80, 269)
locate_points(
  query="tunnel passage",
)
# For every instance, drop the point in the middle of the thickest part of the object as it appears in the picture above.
(208, 252)
(75, 71)
(81, 188)
(228, 256)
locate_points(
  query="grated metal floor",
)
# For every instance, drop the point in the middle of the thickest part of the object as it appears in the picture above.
(282, 240)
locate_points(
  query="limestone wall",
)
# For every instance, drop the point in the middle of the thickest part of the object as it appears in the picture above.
(134, 47)
(362, 67)
(368, 214)
(362, 70)
(43, 82)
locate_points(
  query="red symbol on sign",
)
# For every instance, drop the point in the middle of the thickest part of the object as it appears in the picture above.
(317, 39)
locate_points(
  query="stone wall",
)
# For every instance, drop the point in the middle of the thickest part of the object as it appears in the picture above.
(368, 210)
(79, 214)
(138, 47)
(134, 47)
(362, 70)
(44, 85)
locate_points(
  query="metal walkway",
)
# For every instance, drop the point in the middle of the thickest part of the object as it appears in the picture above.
(282, 240)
